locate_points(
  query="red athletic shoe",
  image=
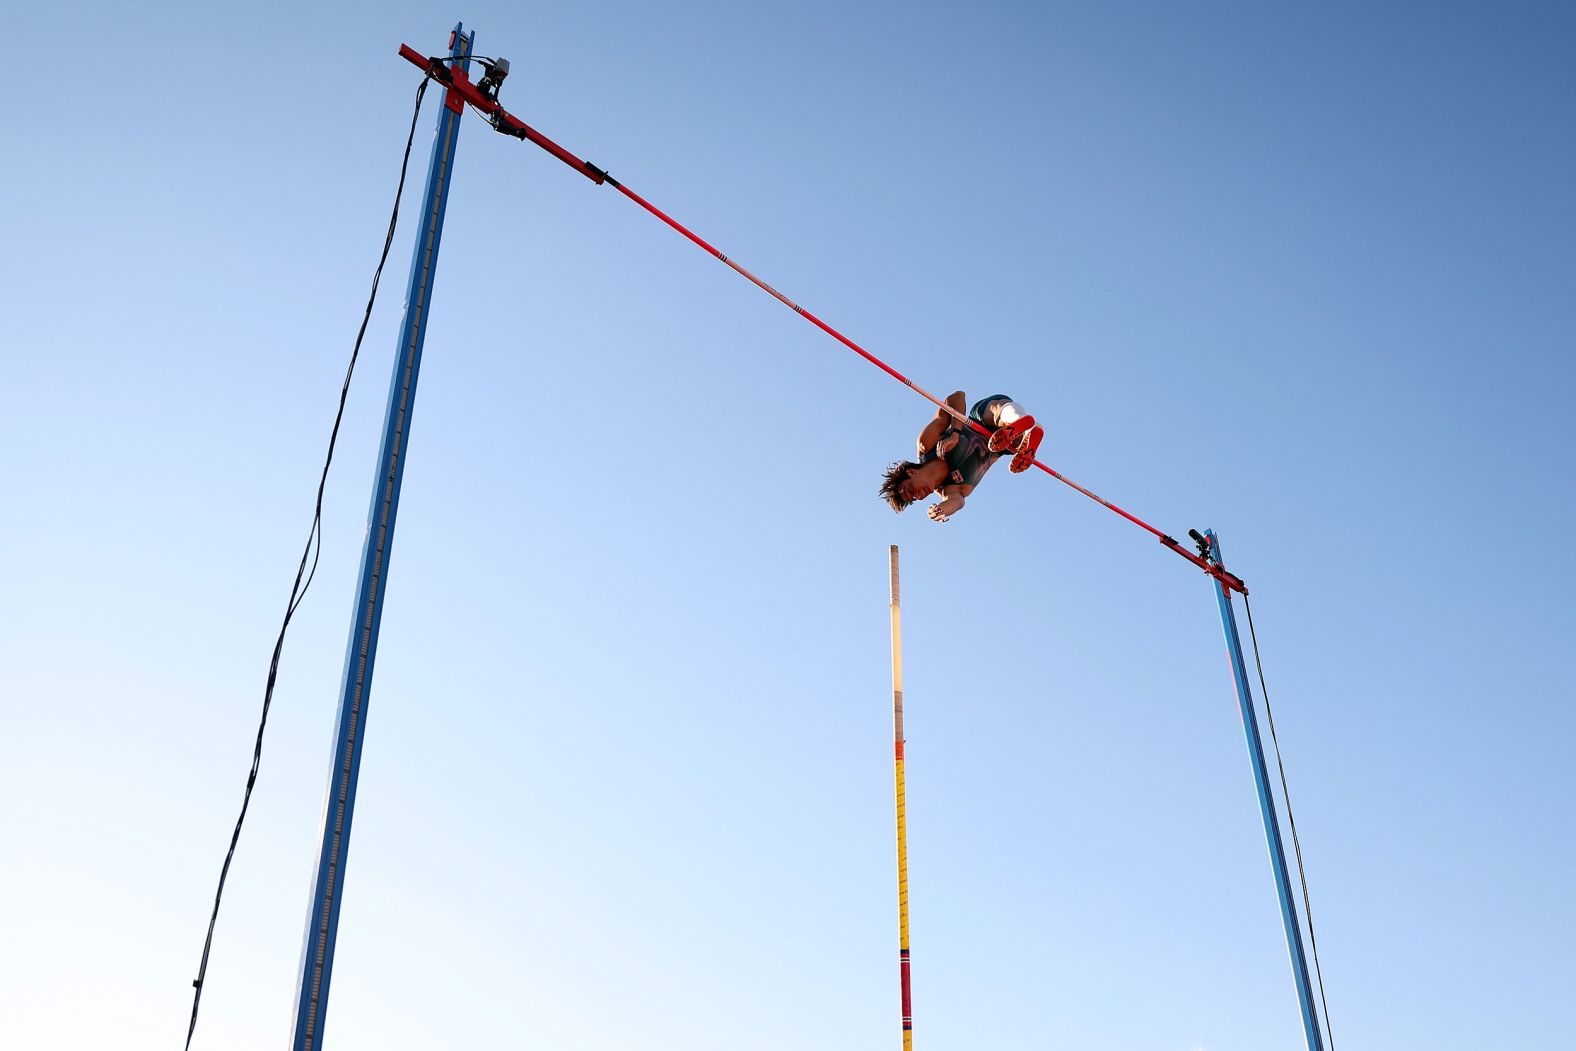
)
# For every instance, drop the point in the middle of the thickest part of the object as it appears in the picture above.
(1028, 446)
(1010, 436)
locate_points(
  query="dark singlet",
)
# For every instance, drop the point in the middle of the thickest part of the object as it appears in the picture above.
(971, 457)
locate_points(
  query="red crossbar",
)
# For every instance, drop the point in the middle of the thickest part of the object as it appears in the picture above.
(456, 80)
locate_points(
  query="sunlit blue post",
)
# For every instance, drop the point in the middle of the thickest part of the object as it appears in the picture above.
(1250, 726)
(317, 951)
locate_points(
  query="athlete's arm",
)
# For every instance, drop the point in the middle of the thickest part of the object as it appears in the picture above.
(952, 502)
(940, 422)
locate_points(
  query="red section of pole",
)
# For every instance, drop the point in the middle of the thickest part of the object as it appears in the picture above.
(908, 1001)
(457, 81)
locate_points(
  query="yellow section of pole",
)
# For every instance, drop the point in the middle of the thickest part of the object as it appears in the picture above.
(902, 806)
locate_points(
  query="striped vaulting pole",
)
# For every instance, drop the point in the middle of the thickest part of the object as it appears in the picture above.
(902, 806)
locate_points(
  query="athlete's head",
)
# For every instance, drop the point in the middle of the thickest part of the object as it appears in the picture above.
(905, 482)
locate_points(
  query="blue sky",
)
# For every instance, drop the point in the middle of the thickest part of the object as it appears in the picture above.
(1304, 277)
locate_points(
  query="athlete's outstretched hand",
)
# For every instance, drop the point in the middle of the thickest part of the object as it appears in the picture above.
(946, 509)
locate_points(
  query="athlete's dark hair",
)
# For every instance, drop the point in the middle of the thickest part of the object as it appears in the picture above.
(895, 476)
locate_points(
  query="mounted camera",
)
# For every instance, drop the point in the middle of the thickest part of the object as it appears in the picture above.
(1202, 541)
(492, 80)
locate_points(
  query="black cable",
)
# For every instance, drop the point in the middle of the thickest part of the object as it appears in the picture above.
(314, 546)
(483, 59)
(1307, 905)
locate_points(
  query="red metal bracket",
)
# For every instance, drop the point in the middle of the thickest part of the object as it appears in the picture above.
(460, 87)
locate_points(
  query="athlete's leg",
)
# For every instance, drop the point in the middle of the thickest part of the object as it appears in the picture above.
(1009, 412)
(1009, 423)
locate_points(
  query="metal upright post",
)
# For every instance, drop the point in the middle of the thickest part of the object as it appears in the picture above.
(1261, 779)
(317, 951)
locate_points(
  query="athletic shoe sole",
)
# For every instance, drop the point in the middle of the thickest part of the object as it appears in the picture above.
(1010, 436)
(1028, 446)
